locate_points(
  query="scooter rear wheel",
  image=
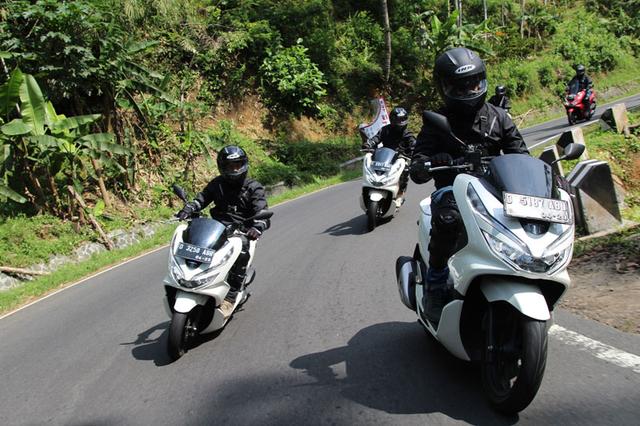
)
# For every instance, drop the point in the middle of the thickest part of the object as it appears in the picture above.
(179, 332)
(514, 361)
(372, 215)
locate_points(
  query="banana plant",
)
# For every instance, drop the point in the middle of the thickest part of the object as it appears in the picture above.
(42, 144)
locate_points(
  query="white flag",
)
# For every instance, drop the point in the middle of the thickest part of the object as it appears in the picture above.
(381, 119)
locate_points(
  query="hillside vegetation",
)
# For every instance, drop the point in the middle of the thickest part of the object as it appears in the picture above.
(116, 100)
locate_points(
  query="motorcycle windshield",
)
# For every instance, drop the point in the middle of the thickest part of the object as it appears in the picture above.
(207, 233)
(383, 158)
(574, 87)
(522, 174)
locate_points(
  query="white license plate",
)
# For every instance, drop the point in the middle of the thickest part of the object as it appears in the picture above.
(200, 254)
(529, 207)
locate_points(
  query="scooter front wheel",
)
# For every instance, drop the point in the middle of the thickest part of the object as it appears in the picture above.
(179, 333)
(514, 359)
(372, 215)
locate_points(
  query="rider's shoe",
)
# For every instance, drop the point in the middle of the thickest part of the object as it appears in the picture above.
(226, 308)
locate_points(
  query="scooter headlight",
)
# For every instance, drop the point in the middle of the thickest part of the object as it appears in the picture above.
(512, 250)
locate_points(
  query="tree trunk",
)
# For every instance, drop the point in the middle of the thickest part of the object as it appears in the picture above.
(387, 36)
(503, 12)
(92, 219)
(22, 271)
(101, 185)
(459, 9)
(522, 18)
(56, 197)
(484, 8)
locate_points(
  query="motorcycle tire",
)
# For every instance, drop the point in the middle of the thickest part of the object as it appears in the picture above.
(592, 111)
(372, 215)
(179, 333)
(572, 118)
(512, 370)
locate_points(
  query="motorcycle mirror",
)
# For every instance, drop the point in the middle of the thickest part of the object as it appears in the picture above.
(180, 192)
(573, 151)
(440, 123)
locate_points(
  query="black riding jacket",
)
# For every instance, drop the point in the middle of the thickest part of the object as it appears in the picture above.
(245, 200)
(501, 101)
(491, 131)
(577, 84)
(391, 138)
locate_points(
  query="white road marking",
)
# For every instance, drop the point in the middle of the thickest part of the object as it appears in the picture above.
(597, 349)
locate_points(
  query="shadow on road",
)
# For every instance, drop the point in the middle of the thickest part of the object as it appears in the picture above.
(354, 226)
(149, 348)
(391, 367)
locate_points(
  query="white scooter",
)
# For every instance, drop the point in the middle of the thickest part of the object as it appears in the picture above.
(508, 273)
(381, 172)
(201, 255)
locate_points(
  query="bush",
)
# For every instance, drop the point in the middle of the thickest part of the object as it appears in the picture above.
(589, 43)
(291, 82)
(318, 158)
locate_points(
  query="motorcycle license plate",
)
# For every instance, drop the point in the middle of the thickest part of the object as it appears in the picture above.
(529, 207)
(189, 251)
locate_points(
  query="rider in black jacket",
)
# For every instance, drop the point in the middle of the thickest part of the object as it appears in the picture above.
(235, 197)
(580, 82)
(460, 77)
(500, 99)
(395, 136)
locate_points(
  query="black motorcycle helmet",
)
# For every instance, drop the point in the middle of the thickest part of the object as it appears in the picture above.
(461, 79)
(501, 90)
(233, 164)
(580, 69)
(399, 118)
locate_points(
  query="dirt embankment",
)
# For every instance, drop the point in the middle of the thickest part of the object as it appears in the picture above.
(606, 284)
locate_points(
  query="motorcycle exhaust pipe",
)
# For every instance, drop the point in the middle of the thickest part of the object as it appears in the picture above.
(406, 280)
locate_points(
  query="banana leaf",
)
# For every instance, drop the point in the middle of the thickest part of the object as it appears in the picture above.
(10, 93)
(9, 193)
(16, 127)
(33, 104)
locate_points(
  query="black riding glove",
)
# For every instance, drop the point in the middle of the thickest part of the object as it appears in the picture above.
(253, 234)
(369, 144)
(190, 208)
(441, 159)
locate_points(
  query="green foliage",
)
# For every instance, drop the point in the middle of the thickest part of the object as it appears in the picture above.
(358, 59)
(291, 82)
(589, 43)
(622, 14)
(41, 145)
(317, 158)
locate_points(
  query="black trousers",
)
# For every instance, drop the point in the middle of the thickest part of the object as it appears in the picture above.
(238, 271)
(446, 224)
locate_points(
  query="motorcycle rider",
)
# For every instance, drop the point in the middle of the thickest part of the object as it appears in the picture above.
(235, 197)
(580, 82)
(398, 137)
(500, 99)
(460, 78)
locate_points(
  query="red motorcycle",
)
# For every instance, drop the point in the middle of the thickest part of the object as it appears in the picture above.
(576, 108)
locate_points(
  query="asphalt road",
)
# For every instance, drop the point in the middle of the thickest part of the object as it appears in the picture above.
(536, 135)
(324, 339)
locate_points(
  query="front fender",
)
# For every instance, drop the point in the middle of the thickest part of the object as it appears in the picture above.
(526, 298)
(185, 302)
